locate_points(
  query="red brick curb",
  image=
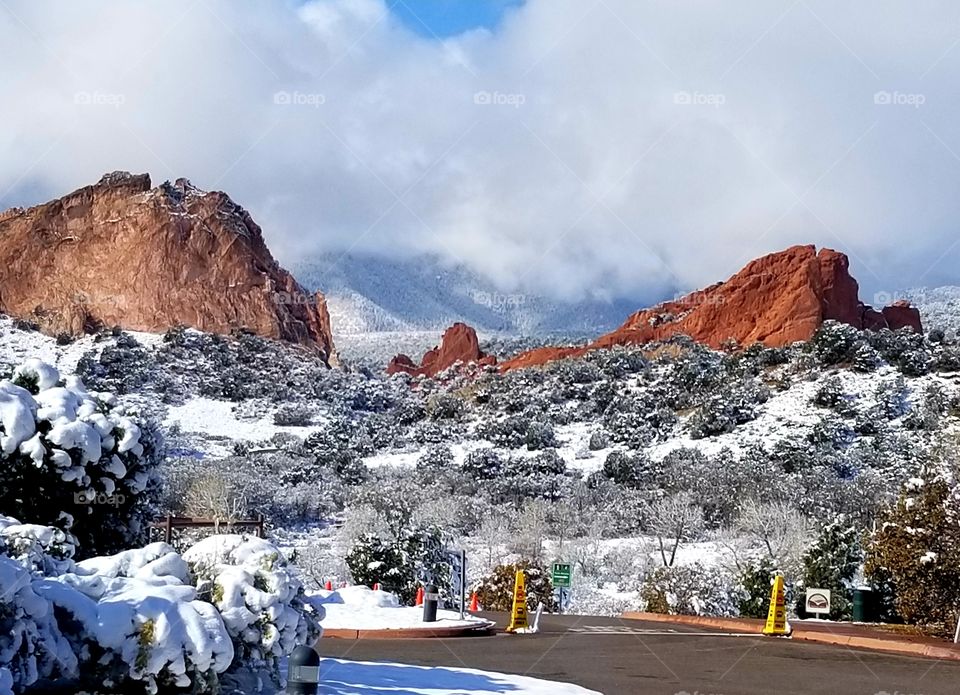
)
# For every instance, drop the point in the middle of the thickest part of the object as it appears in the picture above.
(892, 644)
(481, 628)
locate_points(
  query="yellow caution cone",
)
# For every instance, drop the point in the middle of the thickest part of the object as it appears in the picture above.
(518, 616)
(777, 616)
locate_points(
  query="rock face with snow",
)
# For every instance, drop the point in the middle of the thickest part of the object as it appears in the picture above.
(776, 300)
(120, 252)
(459, 344)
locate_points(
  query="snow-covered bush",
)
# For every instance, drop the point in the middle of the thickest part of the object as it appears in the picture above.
(482, 464)
(723, 412)
(516, 431)
(435, 459)
(32, 647)
(835, 342)
(694, 589)
(628, 470)
(544, 476)
(495, 591)
(136, 618)
(599, 439)
(260, 598)
(293, 415)
(755, 576)
(829, 393)
(404, 564)
(39, 548)
(583, 599)
(75, 459)
(132, 622)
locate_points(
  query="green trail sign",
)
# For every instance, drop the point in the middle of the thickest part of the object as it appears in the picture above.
(561, 575)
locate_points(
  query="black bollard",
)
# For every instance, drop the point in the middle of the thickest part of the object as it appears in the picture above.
(303, 672)
(430, 600)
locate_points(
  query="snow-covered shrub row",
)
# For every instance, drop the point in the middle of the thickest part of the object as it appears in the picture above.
(136, 617)
(75, 459)
(236, 368)
(695, 589)
(150, 620)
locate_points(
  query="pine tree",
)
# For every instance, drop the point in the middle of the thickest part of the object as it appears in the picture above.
(832, 562)
(917, 549)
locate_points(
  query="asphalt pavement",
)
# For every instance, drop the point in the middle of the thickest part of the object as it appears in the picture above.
(623, 657)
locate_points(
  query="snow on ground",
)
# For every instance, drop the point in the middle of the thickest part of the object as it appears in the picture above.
(213, 418)
(362, 608)
(17, 346)
(363, 678)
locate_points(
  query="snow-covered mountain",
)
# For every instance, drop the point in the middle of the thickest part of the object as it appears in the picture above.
(371, 293)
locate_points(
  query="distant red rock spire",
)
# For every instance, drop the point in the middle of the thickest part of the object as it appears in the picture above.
(459, 344)
(776, 300)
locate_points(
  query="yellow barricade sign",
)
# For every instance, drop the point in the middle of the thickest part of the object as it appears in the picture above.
(518, 616)
(777, 617)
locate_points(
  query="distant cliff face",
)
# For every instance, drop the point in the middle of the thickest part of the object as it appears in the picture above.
(459, 344)
(776, 300)
(120, 252)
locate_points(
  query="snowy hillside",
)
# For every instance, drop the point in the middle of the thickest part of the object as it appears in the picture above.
(939, 307)
(371, 294)
(590, 460)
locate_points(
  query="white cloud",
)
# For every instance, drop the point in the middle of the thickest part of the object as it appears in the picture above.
(603, 147)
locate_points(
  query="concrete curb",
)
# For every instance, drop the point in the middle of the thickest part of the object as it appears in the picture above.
(481, 628)
(896, 646)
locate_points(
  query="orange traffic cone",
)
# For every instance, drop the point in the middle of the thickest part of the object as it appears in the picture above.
(376, 586)
(419, 596)
(329, 585)
(474, 602)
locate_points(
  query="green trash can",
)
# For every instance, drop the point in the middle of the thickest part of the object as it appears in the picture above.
(863, 605)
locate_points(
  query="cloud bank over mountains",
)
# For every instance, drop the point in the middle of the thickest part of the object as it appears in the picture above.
(585, 148)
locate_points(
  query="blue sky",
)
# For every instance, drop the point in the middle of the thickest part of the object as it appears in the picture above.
(444, 18)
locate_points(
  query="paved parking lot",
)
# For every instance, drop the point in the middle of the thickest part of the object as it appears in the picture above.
(622, 657)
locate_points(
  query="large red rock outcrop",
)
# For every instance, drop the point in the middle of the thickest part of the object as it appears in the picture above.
(459, 344)
(123, 253)
(776, 300)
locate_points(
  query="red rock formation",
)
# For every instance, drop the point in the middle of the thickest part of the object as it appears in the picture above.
(901, 315)
(122, 253)
(776, 300)
(459, 344)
